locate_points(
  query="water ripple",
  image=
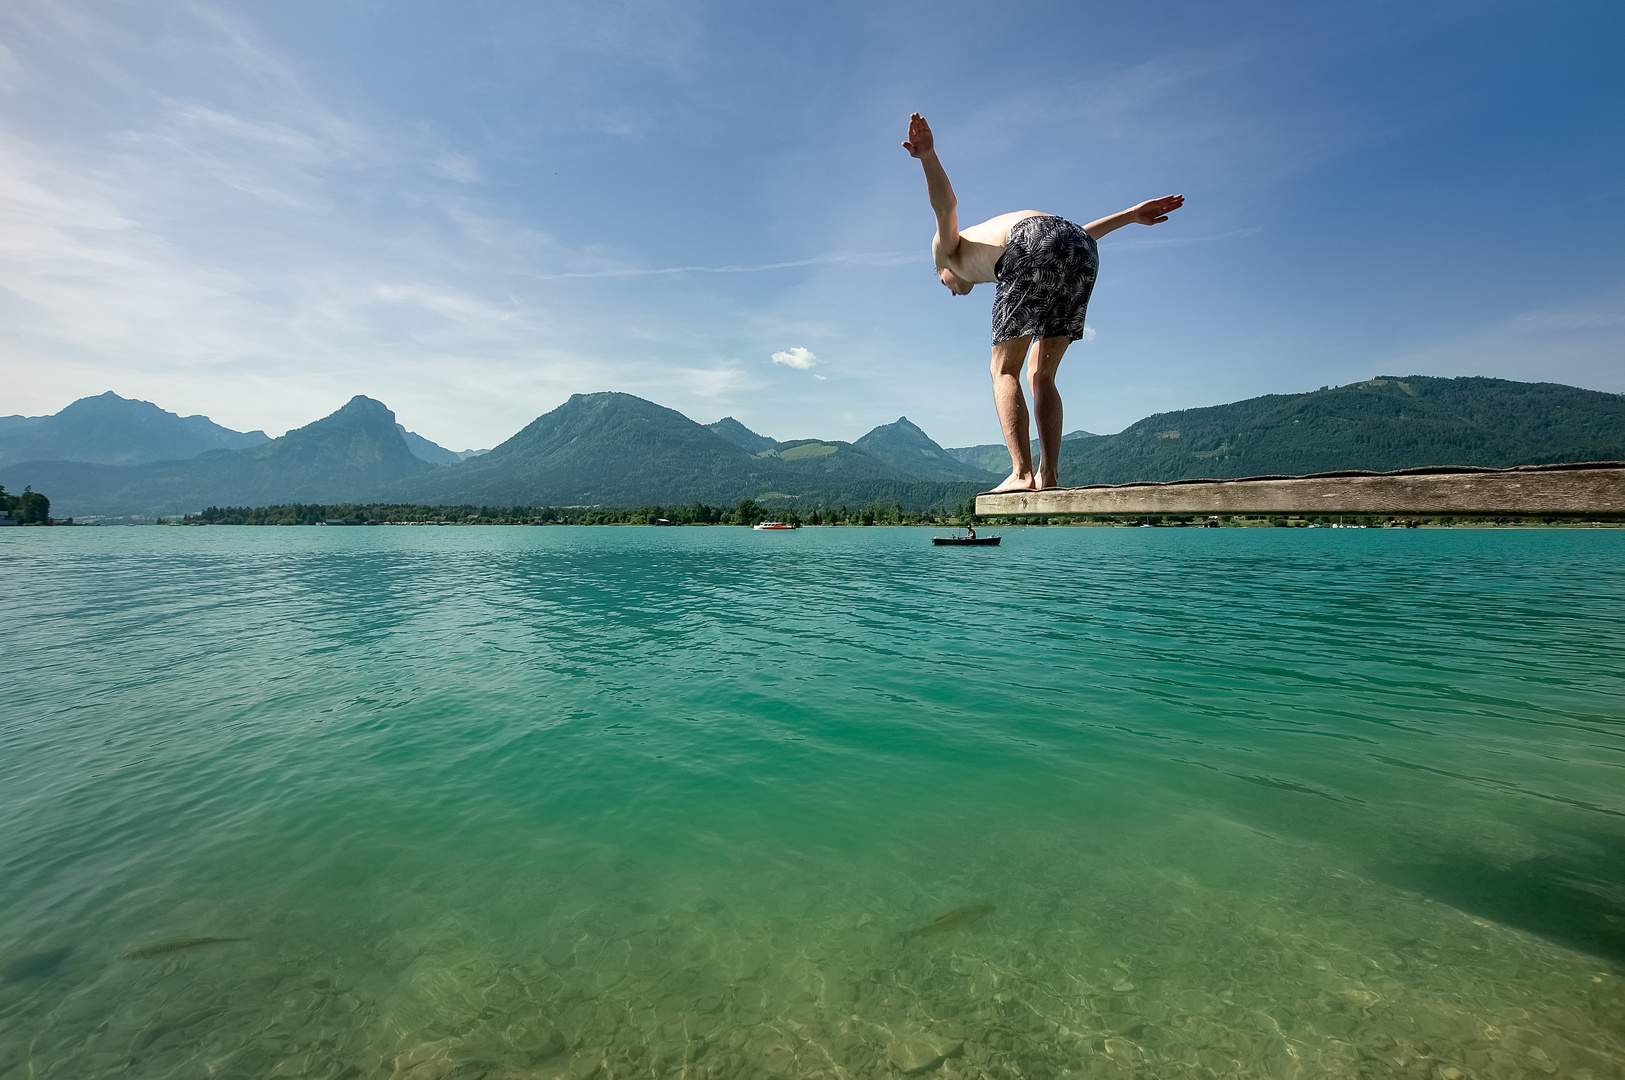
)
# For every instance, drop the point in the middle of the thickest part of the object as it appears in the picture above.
(336, 741)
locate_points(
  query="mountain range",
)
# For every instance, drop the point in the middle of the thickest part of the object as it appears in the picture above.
(614, 449)
(357, 449)
(1379, 424)
(112, 430)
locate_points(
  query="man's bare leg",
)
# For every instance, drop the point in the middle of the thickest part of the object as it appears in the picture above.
(1008, 357)
(1041, 367)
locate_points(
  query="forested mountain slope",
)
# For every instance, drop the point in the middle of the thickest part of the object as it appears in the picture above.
(1380, 424)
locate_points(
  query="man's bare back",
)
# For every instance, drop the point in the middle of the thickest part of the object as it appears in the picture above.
(1041, 297)
(977, 256)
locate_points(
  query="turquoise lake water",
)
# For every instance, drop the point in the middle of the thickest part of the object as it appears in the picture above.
(714, 803)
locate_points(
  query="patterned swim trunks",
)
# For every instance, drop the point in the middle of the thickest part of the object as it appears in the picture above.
(1044, 279)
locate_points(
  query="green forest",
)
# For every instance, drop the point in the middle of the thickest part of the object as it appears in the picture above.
(29, 508)
(744, 512)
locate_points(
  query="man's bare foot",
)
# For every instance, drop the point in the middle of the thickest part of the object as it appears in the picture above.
(1016, 482)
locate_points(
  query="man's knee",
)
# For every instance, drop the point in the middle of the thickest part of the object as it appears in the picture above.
(1008, 356)
(1040, 375)
(1047, 358)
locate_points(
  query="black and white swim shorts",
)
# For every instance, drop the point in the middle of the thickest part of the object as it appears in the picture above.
(1043, 280)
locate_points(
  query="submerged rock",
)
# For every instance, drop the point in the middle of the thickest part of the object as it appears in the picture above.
(922, 1051)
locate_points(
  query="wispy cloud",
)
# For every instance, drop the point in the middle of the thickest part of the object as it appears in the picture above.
(249, 260)
(1579, 343)
(451, 165)
(1117, 242)
(10, 70)
(857, 258)
(715, 382)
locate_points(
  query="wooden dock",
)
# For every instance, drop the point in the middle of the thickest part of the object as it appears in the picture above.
(1593, 488)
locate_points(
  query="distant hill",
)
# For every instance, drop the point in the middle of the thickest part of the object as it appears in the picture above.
(111, 430)
(1382, 423)
(433, 452)
(355, 451)
(995, 458)
(911, 452)
(814, 472)
(819, 463)
(742, 436)
(612, 449)
(598, 449)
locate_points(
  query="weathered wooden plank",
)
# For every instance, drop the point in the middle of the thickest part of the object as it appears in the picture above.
(1578, 489)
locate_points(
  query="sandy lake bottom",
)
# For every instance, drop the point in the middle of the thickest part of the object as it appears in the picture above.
(573, 802)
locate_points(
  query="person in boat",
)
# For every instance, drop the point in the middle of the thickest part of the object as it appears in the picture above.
(970, 531)
(1043, 269)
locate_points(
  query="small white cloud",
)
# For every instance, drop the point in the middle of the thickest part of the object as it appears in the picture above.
(1088, 334)
(820, 378)
(798, 358)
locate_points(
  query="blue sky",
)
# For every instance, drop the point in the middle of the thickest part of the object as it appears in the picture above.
(471, 211)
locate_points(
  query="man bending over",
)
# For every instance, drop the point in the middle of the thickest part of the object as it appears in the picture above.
(1044, 267)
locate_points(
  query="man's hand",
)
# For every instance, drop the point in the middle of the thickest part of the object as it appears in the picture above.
(1156, 211)
(1150, 212)
(919, 141)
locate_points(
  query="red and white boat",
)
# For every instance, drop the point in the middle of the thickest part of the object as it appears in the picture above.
(771, 525)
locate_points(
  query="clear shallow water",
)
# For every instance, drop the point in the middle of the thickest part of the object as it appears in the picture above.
(516, 802)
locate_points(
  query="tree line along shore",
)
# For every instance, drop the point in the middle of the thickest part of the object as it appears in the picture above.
(748, 512)
(33, 508)
(744, 512)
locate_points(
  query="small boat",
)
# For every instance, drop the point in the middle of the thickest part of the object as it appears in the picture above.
(965, 541)
(771, 525)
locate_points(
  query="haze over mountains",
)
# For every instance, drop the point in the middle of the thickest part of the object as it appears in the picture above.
(994, 458)
(111, 430)
(613, 449)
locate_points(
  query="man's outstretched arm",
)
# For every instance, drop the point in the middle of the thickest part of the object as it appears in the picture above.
(1150, 212)
(921, 145)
